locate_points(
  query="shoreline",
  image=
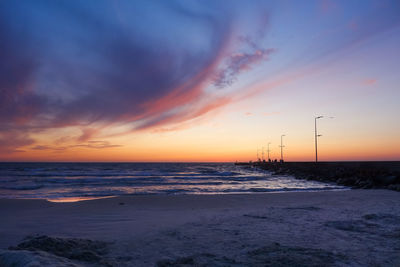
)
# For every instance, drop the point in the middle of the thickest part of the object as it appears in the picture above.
(349, 227)
(266, 191)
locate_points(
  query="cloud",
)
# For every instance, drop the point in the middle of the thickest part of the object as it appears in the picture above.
(71, 66)
(240, 62)
(88, 133)
(97, 145)
(186, 120)
(369, 81)
(11, 140)
(182, 115)
(44, 147)
(18, 102)
(89, 144)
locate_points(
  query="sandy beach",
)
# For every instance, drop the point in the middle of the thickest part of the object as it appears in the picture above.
(335, 228)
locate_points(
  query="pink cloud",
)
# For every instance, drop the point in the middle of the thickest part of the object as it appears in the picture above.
(197, 110)
(11, 140)
(88, 133)
(184, 121)
(96, 144)
(369, 81)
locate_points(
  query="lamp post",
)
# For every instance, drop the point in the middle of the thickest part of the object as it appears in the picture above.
(262, 154)
(268, 152)
(282, 147)
(316, 136)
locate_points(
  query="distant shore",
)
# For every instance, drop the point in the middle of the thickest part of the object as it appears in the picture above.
(331, 228)
(362, 174)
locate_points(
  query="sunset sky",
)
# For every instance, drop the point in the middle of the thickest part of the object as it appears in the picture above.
(189, 80)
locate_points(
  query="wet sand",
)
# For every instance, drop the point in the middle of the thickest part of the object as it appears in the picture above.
(336, 228)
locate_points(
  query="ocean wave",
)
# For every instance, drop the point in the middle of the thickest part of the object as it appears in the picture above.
(59, 180)
(21, 187)
(122, 174)
(146, 180)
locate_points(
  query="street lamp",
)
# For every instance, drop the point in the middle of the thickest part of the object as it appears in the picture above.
(282, 147)
(317, 135)
(268, 152)
(258, 157)
(262, 154)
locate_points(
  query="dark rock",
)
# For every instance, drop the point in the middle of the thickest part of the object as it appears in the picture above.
(25, 258)
(89, 256)
(387, 180)
(366, 184)
(394, 187)
(352, 174)
(71, 248)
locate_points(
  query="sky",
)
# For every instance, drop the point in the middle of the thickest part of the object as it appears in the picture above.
(187, 80)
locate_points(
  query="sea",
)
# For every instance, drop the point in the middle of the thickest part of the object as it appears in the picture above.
(65, 182)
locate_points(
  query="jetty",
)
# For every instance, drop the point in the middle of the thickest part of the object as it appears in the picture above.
(355, 174)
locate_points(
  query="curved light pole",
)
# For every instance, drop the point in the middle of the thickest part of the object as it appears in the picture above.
(317, 135)
(258, 157)
(282, 147)
(262, 154)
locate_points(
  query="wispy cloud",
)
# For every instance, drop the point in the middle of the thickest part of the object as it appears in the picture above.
(369, 81)
(11, 140)
(97, 145)
(88, 144)
(240, 62)
(45, 147)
